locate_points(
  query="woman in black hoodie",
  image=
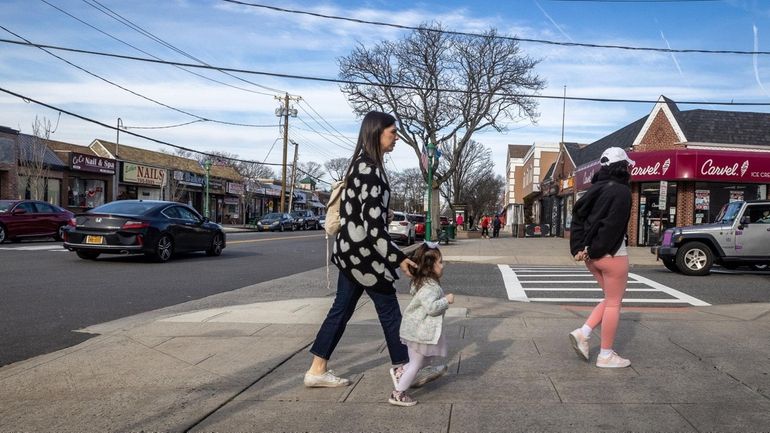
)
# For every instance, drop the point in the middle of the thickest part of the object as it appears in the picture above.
(598, 237)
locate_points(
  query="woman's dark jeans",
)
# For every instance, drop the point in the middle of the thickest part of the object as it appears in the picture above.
(348, 294)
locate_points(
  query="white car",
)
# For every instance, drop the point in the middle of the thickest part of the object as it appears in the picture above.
(401, 228)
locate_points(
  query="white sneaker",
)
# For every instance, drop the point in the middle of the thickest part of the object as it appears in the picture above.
(579, 343)
(326, 380)
(612, 361)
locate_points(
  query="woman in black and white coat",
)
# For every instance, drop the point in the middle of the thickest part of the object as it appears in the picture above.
(363, 251)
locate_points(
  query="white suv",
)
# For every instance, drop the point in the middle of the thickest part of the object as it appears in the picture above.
(401, 228)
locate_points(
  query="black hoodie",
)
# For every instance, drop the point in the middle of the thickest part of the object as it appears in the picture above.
(600, 217)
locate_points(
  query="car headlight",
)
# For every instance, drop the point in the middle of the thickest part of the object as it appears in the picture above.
(274, 223)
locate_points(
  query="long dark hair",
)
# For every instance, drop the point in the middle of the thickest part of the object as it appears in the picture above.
(369, 137)
(426, 259)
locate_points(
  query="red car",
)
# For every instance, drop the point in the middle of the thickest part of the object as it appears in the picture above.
(31, 218)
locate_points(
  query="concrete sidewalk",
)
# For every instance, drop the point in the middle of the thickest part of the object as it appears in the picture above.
(227, 363)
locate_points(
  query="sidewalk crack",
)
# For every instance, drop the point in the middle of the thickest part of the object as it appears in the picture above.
(683, 417)
(553, 385)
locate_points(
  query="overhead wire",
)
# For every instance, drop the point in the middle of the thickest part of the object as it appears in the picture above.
(362, 83)
(339, 134)
(150, 54)
(147, 98)
(480, 35)
(114, 15)
(114, 128)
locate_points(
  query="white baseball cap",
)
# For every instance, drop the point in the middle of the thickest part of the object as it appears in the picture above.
(614, 154)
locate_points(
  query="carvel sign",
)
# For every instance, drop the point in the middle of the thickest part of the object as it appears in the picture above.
(708, 165)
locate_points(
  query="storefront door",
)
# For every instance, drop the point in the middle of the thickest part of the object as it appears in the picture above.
(656, 215)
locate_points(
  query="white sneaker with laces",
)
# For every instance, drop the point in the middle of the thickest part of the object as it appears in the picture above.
(326, 380)
(579, 343)
(612, 361)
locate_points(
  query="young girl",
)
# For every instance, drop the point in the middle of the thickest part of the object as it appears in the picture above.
(422, 323)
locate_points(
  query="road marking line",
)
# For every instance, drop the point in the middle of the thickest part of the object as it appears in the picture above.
(668, 290)
(272, 239)
(584, 300)
(575, 289)
(512, 284)
(34, 248)
(568, 281)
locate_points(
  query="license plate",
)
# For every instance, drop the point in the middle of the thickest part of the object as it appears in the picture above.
(265, 227)
(94, 239)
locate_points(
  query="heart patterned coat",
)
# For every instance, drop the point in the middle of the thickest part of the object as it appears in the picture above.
(363, 250)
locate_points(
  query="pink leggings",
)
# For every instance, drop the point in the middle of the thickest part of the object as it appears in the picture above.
(612, 275)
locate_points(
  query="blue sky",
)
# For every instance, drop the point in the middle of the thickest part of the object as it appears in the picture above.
(235, 36)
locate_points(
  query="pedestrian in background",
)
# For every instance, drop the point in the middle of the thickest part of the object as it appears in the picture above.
(363, 251)
(496, 226)
(598, 237)
(460, 220)
(422, 328)
(485, 226)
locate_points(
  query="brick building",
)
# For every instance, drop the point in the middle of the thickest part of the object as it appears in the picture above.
(688, 165)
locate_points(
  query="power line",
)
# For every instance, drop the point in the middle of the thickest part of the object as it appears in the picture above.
(104, 125)
(126, 22)
(479, 35)
(326, 122)
(147, 98)
(362, 83)
(152, 55)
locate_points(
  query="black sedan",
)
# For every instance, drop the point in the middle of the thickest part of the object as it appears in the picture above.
(158, 229)
(276, 221)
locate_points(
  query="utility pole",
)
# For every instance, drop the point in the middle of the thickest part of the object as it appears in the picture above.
(285, 111)
(293, 175)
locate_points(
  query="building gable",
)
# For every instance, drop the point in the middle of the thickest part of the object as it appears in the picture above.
(662, 129)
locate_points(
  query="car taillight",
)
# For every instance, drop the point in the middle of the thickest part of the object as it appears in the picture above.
(72, 222)
(135, 225)
(404, 223)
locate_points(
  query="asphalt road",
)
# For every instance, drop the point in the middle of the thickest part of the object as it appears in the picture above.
(47, 292)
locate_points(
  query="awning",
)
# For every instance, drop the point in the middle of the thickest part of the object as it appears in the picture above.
(690, 164)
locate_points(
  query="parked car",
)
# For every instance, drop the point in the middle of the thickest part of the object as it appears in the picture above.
(276, 221)
(401, 228)
(158, 229)
(21, 219)
(322, 221)
(419, 225)
(740, 235)
(305, 220)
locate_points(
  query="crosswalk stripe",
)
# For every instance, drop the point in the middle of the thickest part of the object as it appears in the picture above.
(512, 284)
(519, 281)
(629, 301)
(673, 292)
(35, 248)
(575, 289)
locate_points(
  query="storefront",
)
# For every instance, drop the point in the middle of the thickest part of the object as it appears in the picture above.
(187, 187)
(89, 181)
(141, 182)
(686, 186)
(232, 202)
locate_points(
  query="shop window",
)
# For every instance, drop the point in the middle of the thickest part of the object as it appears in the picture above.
(45, 189)
(85, 193)
(711, 196)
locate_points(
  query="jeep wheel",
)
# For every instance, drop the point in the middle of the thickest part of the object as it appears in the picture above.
(694, 258)
(670, 264)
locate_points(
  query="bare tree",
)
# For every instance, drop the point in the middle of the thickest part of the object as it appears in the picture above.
(310, 169)
(32, 162)
(484, 195)
(336, 167)
(475, 161)
(407, 190)
(442, 86)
